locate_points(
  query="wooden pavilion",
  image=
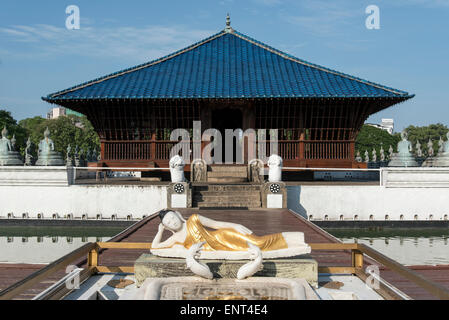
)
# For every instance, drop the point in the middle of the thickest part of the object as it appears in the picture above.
(228, 81)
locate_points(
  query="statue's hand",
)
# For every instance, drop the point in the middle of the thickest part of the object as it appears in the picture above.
(241, 229)
(161, 227)
(195, 249)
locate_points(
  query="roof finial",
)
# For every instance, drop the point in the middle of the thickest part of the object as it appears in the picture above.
(228, 24)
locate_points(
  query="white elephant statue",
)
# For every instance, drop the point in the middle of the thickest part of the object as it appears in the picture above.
(275, 171)
(177, 165)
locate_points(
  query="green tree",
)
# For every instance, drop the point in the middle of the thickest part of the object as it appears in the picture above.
(423, 134)
(370, 138)
(73, 130)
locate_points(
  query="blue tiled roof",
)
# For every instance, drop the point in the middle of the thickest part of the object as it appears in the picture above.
(226, 65)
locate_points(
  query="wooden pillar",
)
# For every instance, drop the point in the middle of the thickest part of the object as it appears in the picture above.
(103, 151)
(301, 149)
(352, 150)
(153, 145)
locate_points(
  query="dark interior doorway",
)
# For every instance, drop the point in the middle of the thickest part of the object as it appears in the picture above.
(227, 118)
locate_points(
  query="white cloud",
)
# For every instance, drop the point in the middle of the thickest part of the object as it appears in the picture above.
(325, 18)
(268, 2)
(424, 3)
(140, 44)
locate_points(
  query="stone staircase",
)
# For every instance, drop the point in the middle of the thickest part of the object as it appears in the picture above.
(227, 196)
(227, 174)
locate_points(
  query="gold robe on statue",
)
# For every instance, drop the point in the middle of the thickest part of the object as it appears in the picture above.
(229, 239)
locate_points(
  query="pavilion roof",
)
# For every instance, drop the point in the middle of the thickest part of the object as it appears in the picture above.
(229, 65)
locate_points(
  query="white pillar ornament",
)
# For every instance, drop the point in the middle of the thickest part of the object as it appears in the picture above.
(275, 171)
(177, 165)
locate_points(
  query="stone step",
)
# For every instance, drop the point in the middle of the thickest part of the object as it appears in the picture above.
(252, 204)
(225, 168)
(227, 187)
(226, 197)
(227, 179)
(218, 174)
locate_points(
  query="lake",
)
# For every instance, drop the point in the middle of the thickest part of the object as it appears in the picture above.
(36, 245)
(407, 246)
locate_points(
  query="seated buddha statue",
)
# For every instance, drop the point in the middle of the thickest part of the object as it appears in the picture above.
(5, 143)
(221, 240)
(442, 159)
(404, 157)
(8, 156)
(47, 156)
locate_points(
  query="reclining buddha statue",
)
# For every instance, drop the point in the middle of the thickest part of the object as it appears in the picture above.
(221, 240)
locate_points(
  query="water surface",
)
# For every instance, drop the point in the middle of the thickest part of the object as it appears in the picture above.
(407, 246)
(36, 245)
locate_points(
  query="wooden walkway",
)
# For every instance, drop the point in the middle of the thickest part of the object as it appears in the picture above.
(261, 222)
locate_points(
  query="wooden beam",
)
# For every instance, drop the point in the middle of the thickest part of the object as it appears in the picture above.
(434, 288)
(336, 270)
(124, 269)
(123, 245)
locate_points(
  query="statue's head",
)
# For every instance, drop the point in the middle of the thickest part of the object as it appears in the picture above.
(4, 132)
(274, 161)
(176, 162)
(46, 133)
(404, 135)
(172, 220)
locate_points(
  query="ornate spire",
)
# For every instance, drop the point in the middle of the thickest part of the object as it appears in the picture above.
(228, 24)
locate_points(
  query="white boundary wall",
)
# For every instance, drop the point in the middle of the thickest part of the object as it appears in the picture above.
(78, 200)
(369, 202)
(121, 201)
(49, 191)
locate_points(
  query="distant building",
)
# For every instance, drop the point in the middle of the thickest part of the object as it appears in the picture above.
(386, 124)
(55, 113)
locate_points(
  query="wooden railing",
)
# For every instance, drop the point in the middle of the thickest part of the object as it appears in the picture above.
(287, 149)
(40, 275)
(92, 250)
(334, 150)
(139, 150)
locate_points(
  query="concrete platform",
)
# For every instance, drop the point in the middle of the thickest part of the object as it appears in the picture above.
(150, 266)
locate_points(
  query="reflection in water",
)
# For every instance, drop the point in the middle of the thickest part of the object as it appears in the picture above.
(409, 251)
(407, 246)
(45, 245)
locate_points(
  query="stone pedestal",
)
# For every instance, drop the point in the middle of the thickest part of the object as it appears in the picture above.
(179, 195)
(12, 158)
(150, 266)
(274, 195)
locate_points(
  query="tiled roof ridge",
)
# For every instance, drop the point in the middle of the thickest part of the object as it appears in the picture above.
(315, 66)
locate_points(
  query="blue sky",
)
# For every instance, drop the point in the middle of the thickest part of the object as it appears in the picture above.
(410, 51)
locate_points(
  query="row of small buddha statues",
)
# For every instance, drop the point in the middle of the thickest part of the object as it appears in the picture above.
(407, 157)
(46, 155)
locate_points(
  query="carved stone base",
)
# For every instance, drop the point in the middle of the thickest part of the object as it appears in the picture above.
(150, 266)
(194, 288)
